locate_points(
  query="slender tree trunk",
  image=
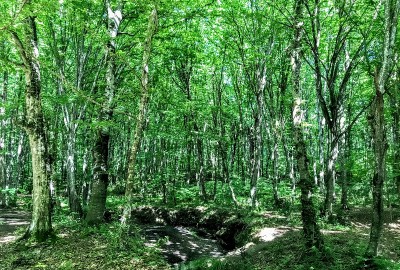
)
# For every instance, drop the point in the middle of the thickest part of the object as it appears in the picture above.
(275, 177)
(377, 123)
(256, 133)
(378, 133)
(3, 123)
(40, 227)
(200, 161)
(396, 134)
(231, 166)
(345, 169)
(330, 176)
(312, 235)
(73, 199)
(130, 182)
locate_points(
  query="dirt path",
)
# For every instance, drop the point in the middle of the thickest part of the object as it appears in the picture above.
(10, 221)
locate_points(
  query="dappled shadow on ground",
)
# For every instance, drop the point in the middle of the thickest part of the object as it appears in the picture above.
(345, 244)
(179, 244)
(10, 221)
(360, 219)
(80, 247)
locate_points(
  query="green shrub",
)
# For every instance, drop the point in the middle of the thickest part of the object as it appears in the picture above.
(8, 197)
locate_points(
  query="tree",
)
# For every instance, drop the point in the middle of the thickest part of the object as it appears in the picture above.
(312, 234)
(137, 137)
(40, 227)
(97, 202)
(377, 124)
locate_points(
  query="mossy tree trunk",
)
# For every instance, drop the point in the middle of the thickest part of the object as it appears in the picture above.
(98, 197)
(312, 235)
(140, 121)
(40, 227)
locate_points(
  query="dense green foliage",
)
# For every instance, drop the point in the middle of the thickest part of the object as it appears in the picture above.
(218, 125)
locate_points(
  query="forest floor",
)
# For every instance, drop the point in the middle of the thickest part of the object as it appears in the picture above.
(10, 221)
(278, 246)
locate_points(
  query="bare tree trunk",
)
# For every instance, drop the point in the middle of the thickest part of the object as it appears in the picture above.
(40, 227)
(200, 161)
(130, 181)
(377, 123)
(73, 199)
(312, 235)
(330, 176)
(275, 177)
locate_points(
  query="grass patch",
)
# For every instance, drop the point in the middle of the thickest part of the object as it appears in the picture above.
(80, 247)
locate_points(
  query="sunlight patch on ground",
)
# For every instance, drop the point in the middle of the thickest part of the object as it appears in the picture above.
(273, 215)
(262, 238)
(394, 226)
(331, 232)
(63, 235)
(15, 222)
(269, 234)
(7, 239)
(360, 225)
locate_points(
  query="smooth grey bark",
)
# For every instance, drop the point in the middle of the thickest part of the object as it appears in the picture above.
(140, 121)
(73, 199)
(312, 234)
(377, 123)
(40, 227)
(98, 197)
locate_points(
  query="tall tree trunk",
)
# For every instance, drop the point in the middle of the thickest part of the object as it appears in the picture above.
(377, 123)
(98, 197)
(130, 181)
(312, 235)
(40, 227)
(3, 124)
(200, 160)
(275, 176)
(73, 199)
(396, 133)
(256, 133)
(330, 175)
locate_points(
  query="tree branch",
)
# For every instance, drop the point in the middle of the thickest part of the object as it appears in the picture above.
(20, 48)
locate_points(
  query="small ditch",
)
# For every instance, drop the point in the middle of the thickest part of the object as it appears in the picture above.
(188, 234)
(180, 244)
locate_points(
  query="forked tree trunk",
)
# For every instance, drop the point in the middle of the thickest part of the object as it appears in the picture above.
(130, 181)
(312, 235)
(40, 227)
(98, 197)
